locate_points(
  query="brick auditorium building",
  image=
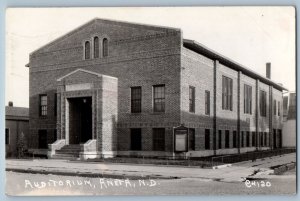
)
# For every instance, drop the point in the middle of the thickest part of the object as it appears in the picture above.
(111, 88)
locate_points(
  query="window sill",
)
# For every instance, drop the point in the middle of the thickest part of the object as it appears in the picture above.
(158, 113)
(135, 113)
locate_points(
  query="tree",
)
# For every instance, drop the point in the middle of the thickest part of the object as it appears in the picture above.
(21, 145)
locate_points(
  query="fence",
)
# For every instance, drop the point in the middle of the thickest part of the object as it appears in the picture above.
(249, 156)
(203, 162)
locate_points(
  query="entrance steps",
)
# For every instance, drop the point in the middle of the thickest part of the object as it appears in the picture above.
(70, 151)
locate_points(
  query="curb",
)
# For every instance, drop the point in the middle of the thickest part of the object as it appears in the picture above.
(265, 172)
(283, 168)
(90, 174)
(221, 166)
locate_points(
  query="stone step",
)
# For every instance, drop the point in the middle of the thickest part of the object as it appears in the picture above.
(68, 148)
(68, 152)
(66, 155)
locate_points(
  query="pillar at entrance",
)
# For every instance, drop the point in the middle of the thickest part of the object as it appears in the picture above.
(103, 91)
(107, 115)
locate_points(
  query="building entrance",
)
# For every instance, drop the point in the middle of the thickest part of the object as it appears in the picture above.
(80, 120)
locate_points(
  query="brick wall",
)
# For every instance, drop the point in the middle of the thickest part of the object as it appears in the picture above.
(147, 59)
(197, 71)
(145, 56)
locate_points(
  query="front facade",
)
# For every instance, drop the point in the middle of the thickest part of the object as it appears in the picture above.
(119, 88)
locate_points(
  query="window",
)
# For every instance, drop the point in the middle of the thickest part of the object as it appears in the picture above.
(226, 93)
(253, 139)
(136, 99)
(278, 108)
(105, 47)
(275, 110)
(159, 98)
(227, 139)
(43, 143)
(158, 139)
(242, 139)
(136, 139)
(192, 99)
(96, 47)
(207, 139)
(7, 136)
(279, 139)
(248, 139)
(220, 139)
(247, 99)
(207, 102)
(87, 50)
(265, 140)
(234, 139)
(263, 103)
(274, 138)
(55, 104)
(191, 139)
(43, 105)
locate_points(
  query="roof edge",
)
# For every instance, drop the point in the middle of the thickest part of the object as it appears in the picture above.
(202, 49)
(105, 20)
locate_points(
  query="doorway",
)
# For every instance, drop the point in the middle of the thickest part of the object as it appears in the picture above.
(80, 120)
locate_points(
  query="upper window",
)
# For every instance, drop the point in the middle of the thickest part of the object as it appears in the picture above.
(247, 99)
(96, 47)
(263, 103)
(43, 105)
(87, 50)
(192, 99)
(278, 108)
(159, 98)
(226, 93)
(105, 47)
(6, 136)
(136, 99)
(207, 102)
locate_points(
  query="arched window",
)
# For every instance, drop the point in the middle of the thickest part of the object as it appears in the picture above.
(87, 50)
(105, 47)
(96, 47)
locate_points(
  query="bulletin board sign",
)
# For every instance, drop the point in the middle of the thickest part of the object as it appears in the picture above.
(180, 139)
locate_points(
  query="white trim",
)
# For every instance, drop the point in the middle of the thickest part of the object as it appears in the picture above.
(77, 70)
(86, 71)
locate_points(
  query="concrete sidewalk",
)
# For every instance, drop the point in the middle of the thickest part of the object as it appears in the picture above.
(236, 172)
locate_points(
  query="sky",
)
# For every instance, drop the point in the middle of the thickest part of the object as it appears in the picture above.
(251, 36)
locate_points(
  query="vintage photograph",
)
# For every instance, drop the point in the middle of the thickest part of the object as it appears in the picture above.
(150, 101)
